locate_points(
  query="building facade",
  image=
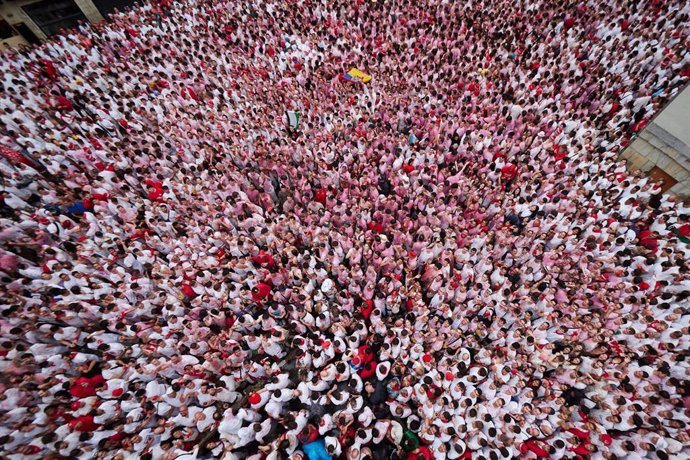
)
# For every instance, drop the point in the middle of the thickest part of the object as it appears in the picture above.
(30, 21)
(662, 149)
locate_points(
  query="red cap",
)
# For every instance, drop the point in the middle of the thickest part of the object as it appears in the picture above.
(117, 392)
(449, 376)
(254, 398)
(427, 358)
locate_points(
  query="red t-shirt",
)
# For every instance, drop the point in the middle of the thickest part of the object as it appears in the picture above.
(157, 192)
(375, 227)
(509, 171)
(264, 259)
(82, 388)
(320, 196)
(533, 447)
(188, 291)
(260, 292)
(365, 354)
(83, 423)
(424, 451)
(367, 308)
(368, 370)
(63, 103)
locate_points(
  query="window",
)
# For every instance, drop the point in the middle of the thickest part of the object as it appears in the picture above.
(6, 30)
(51, 16)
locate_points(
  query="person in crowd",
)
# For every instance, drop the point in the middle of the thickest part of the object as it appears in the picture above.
(449, 261)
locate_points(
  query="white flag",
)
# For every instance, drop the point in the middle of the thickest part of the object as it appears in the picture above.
(292, 118)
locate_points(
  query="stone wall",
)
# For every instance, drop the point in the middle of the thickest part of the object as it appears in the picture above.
(13, 13)
(656, 147)
(665, 143)
(12, 42)
(90, 10)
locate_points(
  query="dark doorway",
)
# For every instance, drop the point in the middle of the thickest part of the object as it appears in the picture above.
(6, 30)
(27, 33)
(107, 7)
(53, 15)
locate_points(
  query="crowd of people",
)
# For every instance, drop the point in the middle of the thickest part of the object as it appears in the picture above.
(447, 262)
